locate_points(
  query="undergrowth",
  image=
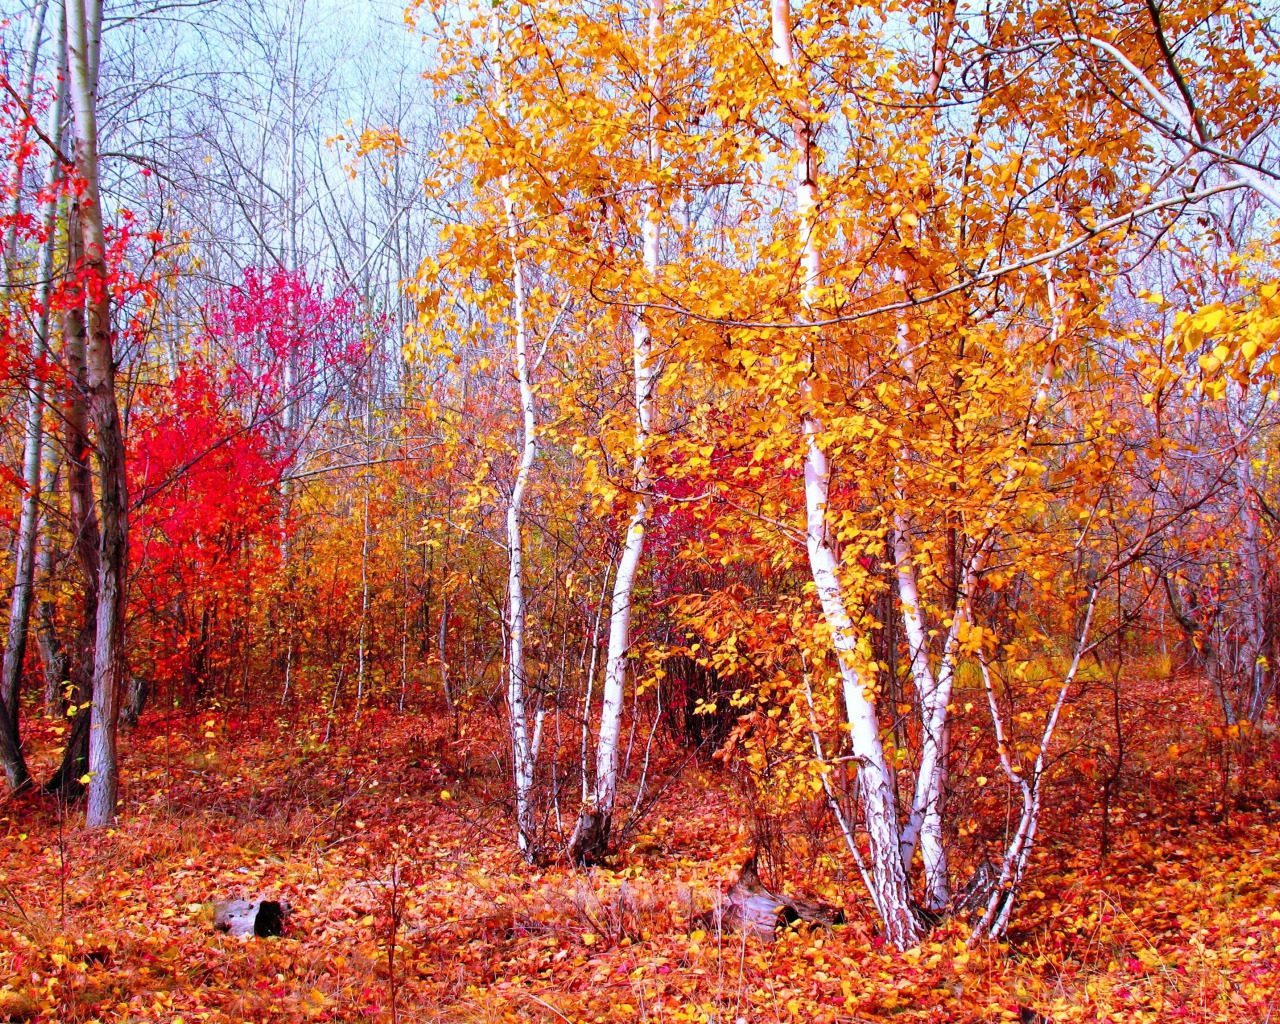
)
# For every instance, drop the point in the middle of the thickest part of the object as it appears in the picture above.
(1179, 921)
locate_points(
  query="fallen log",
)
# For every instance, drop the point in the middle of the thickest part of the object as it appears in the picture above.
(749, 907)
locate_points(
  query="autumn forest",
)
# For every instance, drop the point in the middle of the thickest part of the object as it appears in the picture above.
(638, 510)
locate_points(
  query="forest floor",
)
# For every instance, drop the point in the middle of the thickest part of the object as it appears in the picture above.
(1181, 924)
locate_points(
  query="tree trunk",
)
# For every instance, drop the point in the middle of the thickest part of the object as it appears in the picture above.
(925, 824)
(1202, 650)
(53, 655)
(875, 783)
(523, 753)
(749, 907)
(83, 521)
(33, 445)
(135, 700)
(888, 876)
(1253, 665)
(591, 836)
(53, 658)
(84, 21)
(524, 740)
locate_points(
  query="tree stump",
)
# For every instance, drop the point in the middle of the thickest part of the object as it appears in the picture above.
(242, 918)
(751, 908)
(590, 840)
(134, 701)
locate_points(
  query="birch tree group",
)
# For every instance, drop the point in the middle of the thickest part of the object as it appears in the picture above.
(882, 274)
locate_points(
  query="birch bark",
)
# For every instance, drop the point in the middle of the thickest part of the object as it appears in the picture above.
(522, 750)
(591, 835)
(924, 825)
(888, 876)
(1252, 657)
(524, 741)
(53, 655)
(82, 521)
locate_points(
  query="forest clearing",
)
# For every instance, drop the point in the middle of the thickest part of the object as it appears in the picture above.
(555, 510)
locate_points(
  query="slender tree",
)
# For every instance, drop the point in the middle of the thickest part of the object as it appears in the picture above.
(84, 42)
(591, 835)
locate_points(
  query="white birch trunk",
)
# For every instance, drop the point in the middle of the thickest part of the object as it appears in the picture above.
(888, 876)
(925, 823)
(912, 616)
(1255, 601)
(522, 752)
(924, 826)
(523, 744)
(364, 580)
(1253, 652)
(598, 811)
(52, 654)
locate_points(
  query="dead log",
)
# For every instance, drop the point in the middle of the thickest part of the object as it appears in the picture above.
(242, 918)
(749, 907)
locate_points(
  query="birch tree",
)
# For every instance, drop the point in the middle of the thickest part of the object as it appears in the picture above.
(890, 891)
(33, 436)
(526, 738)
(591, 835)
(82, 522)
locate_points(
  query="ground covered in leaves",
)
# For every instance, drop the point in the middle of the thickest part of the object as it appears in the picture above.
(401, 828)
